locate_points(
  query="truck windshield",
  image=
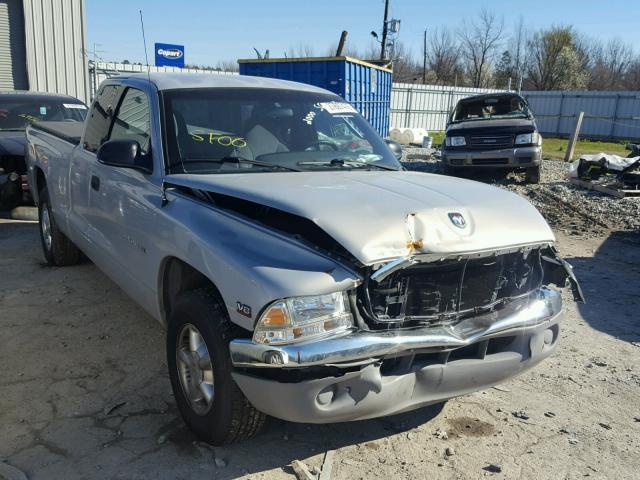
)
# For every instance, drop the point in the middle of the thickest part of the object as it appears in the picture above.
(486, 108)
(18, 113)
(243, 130)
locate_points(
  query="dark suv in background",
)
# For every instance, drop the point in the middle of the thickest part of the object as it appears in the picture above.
(492, 131)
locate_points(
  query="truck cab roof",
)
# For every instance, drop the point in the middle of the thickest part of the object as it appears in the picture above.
(174, 81)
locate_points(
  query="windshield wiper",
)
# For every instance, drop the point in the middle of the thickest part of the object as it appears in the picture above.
(341, 162)
(13, 129)
(236, 160)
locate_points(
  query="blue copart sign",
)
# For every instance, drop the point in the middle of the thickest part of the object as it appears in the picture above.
(168, 55)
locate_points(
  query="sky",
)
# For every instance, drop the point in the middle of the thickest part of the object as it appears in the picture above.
(213, 30)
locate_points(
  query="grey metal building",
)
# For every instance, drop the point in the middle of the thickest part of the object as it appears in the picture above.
(43, 46)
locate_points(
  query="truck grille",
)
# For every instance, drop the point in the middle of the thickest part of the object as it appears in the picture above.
(443, 292)
(490, 161)
(492, 141)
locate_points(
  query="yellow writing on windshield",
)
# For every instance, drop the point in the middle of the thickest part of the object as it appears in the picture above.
(30, 118)
(223, 140)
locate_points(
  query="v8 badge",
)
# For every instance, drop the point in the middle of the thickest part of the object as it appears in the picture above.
(243, 309)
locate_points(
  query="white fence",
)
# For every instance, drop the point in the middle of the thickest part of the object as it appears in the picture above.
(100, 71)
(614, 115)
(607, 114)
(426, 106)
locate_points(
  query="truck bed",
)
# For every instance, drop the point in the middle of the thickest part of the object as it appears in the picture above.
(68, 131)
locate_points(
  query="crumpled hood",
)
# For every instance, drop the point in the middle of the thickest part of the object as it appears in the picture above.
(12, 143)
(366, 212)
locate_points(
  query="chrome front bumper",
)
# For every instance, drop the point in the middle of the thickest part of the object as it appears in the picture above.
(384, 373)
(364, 347)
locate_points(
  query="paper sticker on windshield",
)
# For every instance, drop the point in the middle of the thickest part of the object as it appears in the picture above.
(74, 105)
(336, 107)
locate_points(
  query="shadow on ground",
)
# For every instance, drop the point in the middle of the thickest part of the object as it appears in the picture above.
(282, 442)
(611, 283)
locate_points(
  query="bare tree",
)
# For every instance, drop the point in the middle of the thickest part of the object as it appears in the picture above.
(227, 66)
(610, 63)
(555, 61)
(479, 41)
(443, 57)
(350, 50)
(405, 67)
(631, 79)
(301, 51)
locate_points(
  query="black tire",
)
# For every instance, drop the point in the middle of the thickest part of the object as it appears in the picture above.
(58, 250)
(451, 171)
(532, 174)
(230, 417)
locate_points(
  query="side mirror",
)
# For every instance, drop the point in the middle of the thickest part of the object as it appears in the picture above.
(395, 148)
(124, 153)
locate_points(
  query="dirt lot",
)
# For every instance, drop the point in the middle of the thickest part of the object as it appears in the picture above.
(85, 393)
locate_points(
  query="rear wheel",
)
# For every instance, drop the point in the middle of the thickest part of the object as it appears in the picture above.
(208, 398)
(57, 248)
(532, 174)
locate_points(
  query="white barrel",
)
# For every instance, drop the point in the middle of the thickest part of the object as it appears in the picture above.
(406, 137)
(395, 134)
(414, 136)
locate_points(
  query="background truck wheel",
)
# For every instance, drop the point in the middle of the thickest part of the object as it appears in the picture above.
(451, 171)
(208, 398)
(58, 249)
(532, 174)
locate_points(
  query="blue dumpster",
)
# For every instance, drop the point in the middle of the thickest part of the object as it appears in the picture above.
(365, 85)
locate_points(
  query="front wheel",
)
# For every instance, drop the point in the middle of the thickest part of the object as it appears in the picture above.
(532, 174)
(208, 398)
(57, 248)
(451, 171)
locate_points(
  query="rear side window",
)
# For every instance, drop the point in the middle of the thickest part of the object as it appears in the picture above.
(97, 127)
(133, 120)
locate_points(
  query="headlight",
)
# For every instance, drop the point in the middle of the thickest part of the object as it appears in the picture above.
(302, 318)
(454, 141)
(527, 138)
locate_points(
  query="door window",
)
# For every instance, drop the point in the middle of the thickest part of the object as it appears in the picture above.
(133, 120)
(97, 127)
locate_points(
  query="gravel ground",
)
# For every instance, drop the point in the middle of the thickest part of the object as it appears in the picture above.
(572, 210)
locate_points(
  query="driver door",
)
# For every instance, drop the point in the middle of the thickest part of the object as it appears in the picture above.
(123, 203)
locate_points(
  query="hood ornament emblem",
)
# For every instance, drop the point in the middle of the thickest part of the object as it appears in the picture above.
(457, 219)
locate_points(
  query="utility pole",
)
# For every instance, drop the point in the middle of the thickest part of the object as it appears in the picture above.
(384, 29)
(424, 59)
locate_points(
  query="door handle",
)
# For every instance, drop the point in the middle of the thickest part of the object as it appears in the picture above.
(95, 182)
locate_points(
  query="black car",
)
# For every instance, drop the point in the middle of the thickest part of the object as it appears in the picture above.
(17, 110)
(493, 131)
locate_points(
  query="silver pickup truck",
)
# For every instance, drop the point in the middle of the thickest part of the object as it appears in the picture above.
(300, 271)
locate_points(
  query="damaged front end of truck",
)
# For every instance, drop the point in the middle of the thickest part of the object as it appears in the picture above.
(412, 330)
(426, 328)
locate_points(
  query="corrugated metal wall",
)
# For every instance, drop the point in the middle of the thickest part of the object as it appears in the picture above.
(55, 33)
(426, 106)
(607, 114)
(368, 89)
(366, 86)
(613, 115)
(13, 71)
